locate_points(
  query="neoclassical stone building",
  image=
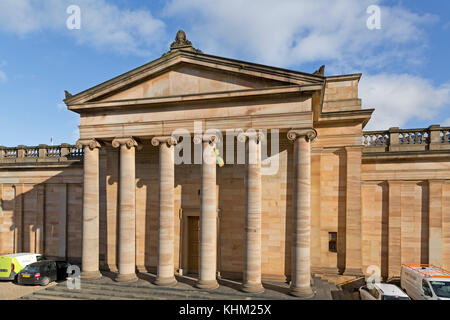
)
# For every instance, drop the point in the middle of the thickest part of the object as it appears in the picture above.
(310, 191)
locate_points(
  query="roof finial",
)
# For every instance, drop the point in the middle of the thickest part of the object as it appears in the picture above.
(181, 41)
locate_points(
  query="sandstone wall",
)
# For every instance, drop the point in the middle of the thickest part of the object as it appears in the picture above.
(405, 209)
(41, 211)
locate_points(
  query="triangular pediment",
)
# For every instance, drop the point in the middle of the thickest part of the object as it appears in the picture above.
(185, 73)
(186, 79)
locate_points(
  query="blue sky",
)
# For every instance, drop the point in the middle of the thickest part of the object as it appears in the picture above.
(406, 75)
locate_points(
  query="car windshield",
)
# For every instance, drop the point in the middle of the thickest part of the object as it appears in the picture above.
(395, 298)
(441, 288)
(31, 269)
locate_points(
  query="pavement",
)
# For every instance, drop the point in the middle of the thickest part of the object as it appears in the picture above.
(12, 291)
(143, 289)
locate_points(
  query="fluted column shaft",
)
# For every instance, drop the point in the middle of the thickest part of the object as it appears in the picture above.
(165, 273)
(301, 264)
(127, 210)
(252, 253)
(208, 217)
(90, 247)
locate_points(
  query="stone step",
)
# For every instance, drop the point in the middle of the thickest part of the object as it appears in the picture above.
(149, 292)
(322, 289)
(130, 293)
(46, 296)
(107, 289)
(94, 295)
(183, 292)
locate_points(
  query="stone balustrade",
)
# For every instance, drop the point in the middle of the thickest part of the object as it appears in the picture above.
(432, 138)
(41, 153)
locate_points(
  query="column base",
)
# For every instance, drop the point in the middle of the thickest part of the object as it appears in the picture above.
(126, 277)
(165, 282)
(302, 292)
(207, 284)
(252, 288)
(91, 275)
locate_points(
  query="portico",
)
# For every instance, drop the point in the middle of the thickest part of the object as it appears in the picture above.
(176, 92)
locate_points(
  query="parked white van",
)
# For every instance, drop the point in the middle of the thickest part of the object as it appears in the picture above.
(425, 282)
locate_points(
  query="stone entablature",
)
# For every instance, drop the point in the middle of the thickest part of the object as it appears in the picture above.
(22, 155)
(396, 140)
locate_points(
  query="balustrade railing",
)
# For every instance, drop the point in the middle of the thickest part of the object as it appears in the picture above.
(75, 152)
(417, 136)
(53, 152)
(433, 138)
(445, 135)
(40, 153)
(32, 152)
(376, 138)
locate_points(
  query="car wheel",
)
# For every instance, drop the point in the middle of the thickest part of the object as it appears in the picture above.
(45, 281)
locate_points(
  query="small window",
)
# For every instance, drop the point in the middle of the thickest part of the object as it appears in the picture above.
(332, 241)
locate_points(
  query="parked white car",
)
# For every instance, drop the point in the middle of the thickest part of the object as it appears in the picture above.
(382, 291)
(425, 282)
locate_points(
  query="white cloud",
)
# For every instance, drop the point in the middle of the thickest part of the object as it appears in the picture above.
(446, 123)
(399, 98)
(103, 25)
(3, 77)
(292, 32)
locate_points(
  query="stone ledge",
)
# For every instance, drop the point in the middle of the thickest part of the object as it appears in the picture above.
(28, 165)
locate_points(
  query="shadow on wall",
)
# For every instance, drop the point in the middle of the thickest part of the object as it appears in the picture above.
(43, 217)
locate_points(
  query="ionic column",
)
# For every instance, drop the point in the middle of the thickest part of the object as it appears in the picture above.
(301, 264)
(165, 276)
(252, 253)
(90, 248)
(127, 209)
(208, 215)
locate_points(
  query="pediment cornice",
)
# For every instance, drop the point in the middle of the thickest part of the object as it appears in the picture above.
(169, 60)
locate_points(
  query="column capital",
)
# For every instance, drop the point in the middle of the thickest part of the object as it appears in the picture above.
(91, 143)
(199, 138)
(129, 142)
(258, 136)
(309, 134)
(169, 140)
